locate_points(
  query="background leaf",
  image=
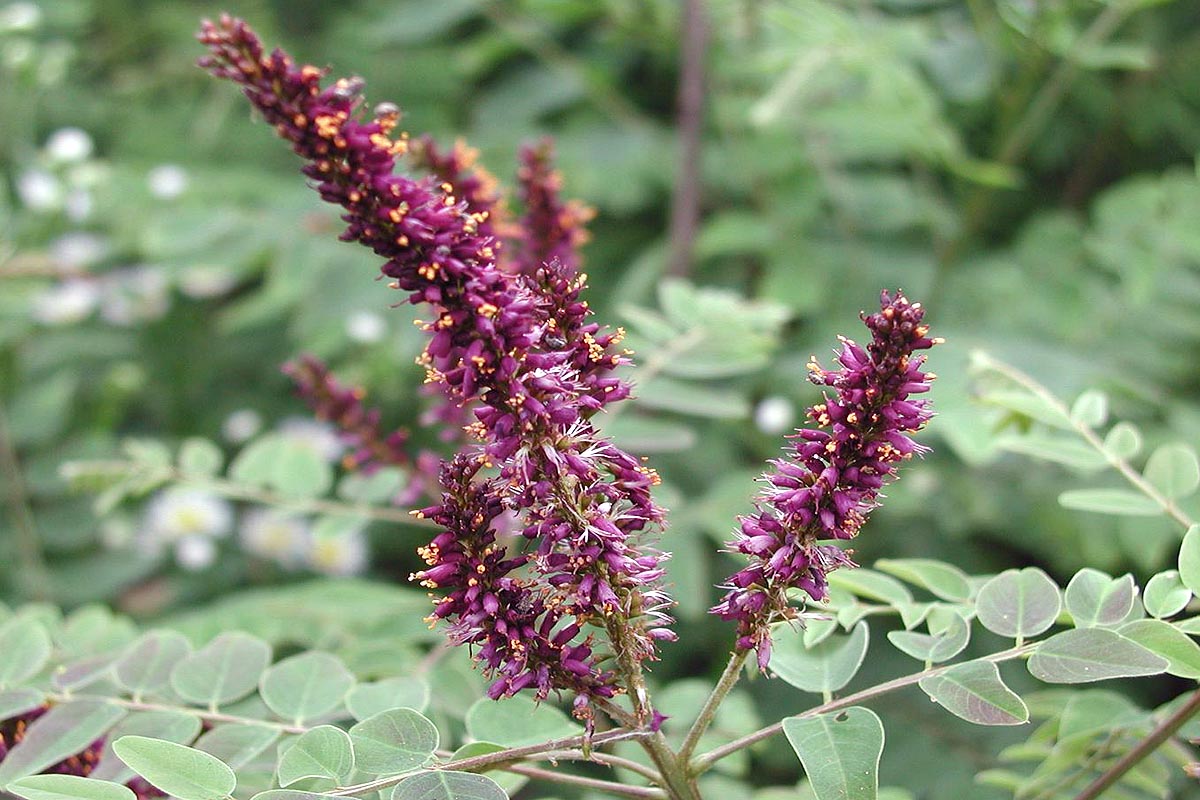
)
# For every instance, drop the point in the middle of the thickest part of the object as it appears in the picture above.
(840, 752)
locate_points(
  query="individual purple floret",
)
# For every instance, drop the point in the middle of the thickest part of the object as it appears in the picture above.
(832, 477)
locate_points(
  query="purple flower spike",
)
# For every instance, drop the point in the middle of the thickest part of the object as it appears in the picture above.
(514, 349)
(831, 480)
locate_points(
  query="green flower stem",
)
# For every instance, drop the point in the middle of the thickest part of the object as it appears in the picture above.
(610, 787)
(1161, 733)
(676, 780)
(733, 671)
(498, 760)
(205, 715)
(703, 762)
(252, 494)
(607, 759)
(32, 575)
(1089, 435)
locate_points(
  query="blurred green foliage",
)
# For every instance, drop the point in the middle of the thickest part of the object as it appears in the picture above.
(1028, 169)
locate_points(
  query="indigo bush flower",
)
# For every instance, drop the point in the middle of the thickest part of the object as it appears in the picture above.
(518, 349)
(832, 476)
(551, 229)
(369, 448)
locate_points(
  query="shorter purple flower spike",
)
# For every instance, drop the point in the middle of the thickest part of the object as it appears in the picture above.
(552, 229)
(832, 478)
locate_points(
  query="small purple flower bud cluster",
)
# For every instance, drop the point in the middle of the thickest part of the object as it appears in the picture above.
(516, 346)
(462, 176)
(551, 229)
(834, 474)
(369, 448)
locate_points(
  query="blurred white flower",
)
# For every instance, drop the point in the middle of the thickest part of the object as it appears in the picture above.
(68, 145)
(195, 553)
(40, 191)
(275, 534)
(66, 303)
(320, 436)
(774, 414)
(167, 181)
(133, 295)
(20, 17)
(204, 281)
(341, 554)
(241, 425)
(15, 53)
(78, 250)
(79, 205)
(366, 327)
(179, 513)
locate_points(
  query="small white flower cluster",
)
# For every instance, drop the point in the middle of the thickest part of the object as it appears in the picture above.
(125, 297)
(63, 176)
(188, 523)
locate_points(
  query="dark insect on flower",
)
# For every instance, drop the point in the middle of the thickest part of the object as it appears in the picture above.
(832, 478)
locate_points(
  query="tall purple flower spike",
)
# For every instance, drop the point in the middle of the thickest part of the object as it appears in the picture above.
(519, 349)
(832, 476)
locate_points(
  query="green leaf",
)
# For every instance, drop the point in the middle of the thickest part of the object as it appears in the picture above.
(1121, 502)
(1018, 603)
(82, 672)
(24, 650)
(975, 692)
(200, 457)
(1057, 449)
(168, 725)
(510, 782)
(826, 667)
(1084, 655)
(943, 580)
(1169, 642)
(292, 794)
(322, 752)
(1094, 599)
(68, 787)
(1174, 470)
(61, 733)
(292, 468)
(368, 699)
(934, 647)
(686, 397)
(237, 744)
(1166, 595)
(1189, 559)
(146, 666)
(517, 721)
(871, 585)
(183, 772)
(1029, 405)
(1124, 441)
(306, 685)
(1090, 408)
(448, 785)
(393, 741)
(840, 752)
(15, 702)
(224, 670)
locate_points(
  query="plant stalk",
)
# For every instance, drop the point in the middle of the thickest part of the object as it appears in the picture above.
(733, 671)
(1161, 733)
(703, 762)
